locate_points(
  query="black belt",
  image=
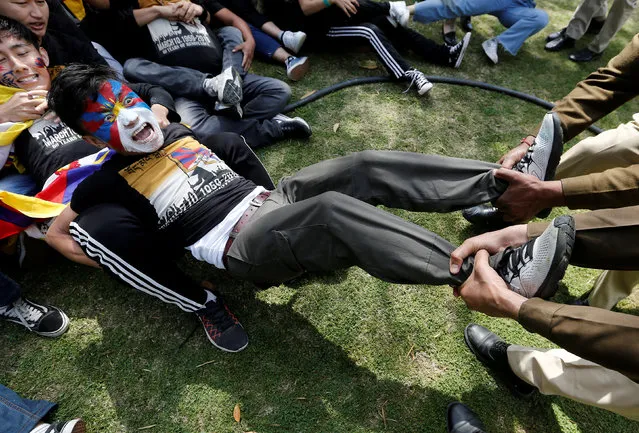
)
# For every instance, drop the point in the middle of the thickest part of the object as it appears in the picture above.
(255, 205)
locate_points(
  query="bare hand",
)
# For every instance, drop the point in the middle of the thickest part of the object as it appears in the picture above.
(513, 156)
(169, 11)
(187, 11)
(492, 242)
(526, 195)
(161, 113)
(248, 48)
(24, 106)
(348, 6)
(485, 291)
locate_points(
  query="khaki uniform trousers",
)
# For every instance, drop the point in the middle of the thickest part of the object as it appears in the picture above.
(617, 147)
(591, 9)
(558, 372)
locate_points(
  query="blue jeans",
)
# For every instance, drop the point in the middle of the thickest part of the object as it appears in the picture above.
(18, 183)
(19, 415)
(9, 290)
(265, 45)
(519, 16)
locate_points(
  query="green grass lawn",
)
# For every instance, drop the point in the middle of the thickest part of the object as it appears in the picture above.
(341, 352)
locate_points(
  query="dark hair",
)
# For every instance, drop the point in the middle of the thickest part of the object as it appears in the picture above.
(10, 27)
(71, 89)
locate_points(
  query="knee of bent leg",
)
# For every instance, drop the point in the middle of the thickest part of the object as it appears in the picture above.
(130, 68)
(230, 33)
(540, 19)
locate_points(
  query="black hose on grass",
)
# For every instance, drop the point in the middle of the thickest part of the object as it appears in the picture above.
(435, 79)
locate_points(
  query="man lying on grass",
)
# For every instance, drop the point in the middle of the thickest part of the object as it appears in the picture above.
(164, 183)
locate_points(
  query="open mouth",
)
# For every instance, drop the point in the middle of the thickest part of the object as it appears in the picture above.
(144, 133)
(37, 27)
(28, 79)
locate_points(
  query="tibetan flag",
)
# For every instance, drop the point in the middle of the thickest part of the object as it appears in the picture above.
(17, 212)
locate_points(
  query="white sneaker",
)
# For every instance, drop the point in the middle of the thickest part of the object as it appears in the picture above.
(226, 87)
(398, 14)
(535, 268)
(543, 156)
(293, 40)
(74, 426)
(419, 79)
(490, 48)
(296, 67)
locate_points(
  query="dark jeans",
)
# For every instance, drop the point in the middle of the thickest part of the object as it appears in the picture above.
(9, 290)
(324, 218)
(19, 415)
(263, 97)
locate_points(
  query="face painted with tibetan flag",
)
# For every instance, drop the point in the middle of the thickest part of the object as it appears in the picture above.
(120, 119)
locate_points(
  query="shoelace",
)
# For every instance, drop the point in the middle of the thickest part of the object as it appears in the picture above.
(515, 258)
(219, 316)
(26, 313)
(523, 164)
(417, 78)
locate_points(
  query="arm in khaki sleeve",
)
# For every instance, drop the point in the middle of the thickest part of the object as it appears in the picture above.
(605, 337)
(601, 92)
(613, 188)
(59, 238)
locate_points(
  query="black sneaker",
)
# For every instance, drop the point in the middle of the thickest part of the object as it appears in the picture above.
(542, 157)
(73, 426)
(456, 53)
(419, 79)
(44, 320)
(492, 352)
(535, 268)
(222, 327)
(295, 127)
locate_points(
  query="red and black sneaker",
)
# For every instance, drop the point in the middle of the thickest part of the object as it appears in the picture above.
(222, 327)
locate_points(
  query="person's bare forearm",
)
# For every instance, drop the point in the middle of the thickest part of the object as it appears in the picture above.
(70, 249)
(146, 15)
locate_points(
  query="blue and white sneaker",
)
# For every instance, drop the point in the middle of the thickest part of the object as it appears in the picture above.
(296, 67)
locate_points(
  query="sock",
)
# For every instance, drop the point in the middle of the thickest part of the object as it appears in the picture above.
(210, 297)
(281, 36)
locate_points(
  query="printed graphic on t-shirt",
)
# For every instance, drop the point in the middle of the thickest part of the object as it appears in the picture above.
(169, 36)
(177, 177)
(52, 134)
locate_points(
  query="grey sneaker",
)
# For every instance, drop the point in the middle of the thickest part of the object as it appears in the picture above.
(73, 426)
(419, 79)
(543, 156)
(535, 268)
(296, 67)
(490, 47)
(47, 321)
(293, 40)
(226, 87)
(398, 14)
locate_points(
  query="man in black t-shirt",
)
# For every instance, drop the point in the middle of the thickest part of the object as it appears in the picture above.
(166, 183)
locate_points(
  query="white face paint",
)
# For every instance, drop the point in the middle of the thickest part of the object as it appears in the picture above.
(139, 130)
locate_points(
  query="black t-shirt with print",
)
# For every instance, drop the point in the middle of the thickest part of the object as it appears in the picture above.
(49, 145)
(171, 43)
(183, 189)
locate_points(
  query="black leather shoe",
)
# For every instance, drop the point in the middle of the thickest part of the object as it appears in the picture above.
(560, 43)
(463, 420)
(584, 55)
(465, 24)
(491, 351)
(556, 35)
(485, 215)
(450, 38)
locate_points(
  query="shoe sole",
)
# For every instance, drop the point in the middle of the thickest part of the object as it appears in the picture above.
(78, 427)
(299, 71)
(465, 42)
(504, 380)
(563, 250)
(53, 334)
(557, 148)
(425, 89)
(232, 92)
(223, 349)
